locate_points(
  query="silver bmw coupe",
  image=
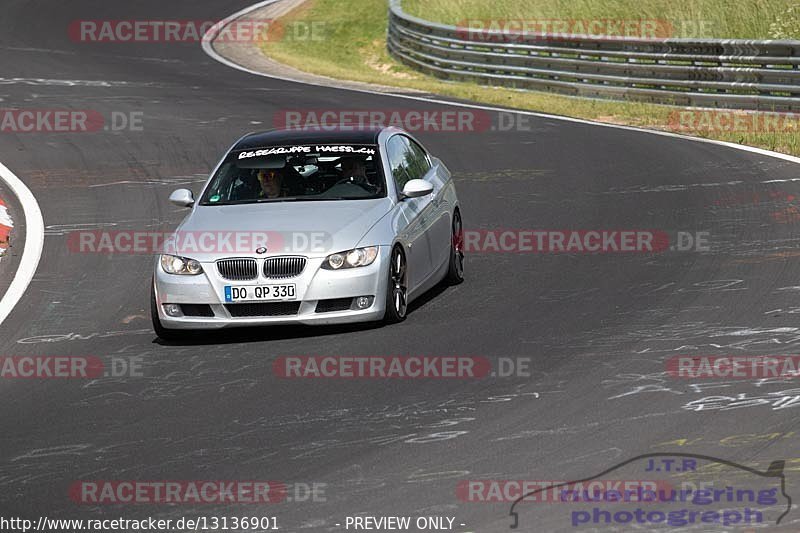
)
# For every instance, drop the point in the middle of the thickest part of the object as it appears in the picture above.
(310, 227)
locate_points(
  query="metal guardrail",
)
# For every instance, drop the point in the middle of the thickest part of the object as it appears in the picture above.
(741, 74)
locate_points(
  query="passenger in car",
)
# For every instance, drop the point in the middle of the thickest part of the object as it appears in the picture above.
(354, 169)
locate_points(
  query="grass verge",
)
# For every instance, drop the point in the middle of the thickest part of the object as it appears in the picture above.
(350, 43)
(721, 19)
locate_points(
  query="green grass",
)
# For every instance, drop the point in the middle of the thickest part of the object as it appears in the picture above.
(726, 19)
(352, 46)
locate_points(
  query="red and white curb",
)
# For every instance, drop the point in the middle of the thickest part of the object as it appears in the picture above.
(5, 227)
(34, 240)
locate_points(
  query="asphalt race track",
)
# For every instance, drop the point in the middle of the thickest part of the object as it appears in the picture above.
(597, 328)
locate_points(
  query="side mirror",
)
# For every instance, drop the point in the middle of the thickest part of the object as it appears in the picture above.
(182, 198)
(417, 188)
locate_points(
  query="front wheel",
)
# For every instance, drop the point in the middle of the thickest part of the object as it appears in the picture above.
(396, 288)
(455, 273)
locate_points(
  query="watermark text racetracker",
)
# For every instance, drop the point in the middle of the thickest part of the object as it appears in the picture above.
(582, 241)
(189, 492)
(171, 31)
(517, 30)
(188, 242)
(599, 490)
(69, 367)
(423, 120)
(37, 120)
(734, 121)
(399, 367)
(734, 366)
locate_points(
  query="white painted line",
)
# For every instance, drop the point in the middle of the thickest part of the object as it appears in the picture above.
(209, 49)
(34, 242)
(216, 29)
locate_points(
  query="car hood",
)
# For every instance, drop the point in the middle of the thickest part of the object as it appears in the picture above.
(312, 229)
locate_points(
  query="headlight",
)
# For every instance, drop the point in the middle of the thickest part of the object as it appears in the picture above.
(172, 264)
(354, 258)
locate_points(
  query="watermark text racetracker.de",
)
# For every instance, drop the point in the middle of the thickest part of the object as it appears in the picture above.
(415, 120)
(40, 120)
(69, 367)
(172, 31)
(520, 30)
(425, 367)
(188, 242)
(582, 241)
(190, 492)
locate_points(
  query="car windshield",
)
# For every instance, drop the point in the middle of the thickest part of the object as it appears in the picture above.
(297, 173)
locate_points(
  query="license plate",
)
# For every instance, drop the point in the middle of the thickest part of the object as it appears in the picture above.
(260, 293)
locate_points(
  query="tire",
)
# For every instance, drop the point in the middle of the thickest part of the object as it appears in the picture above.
(396, 288)
(160, 330)
(455, 273)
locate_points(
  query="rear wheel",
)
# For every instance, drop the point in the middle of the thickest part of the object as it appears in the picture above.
(161, 331)
(396, 288)
(455, 274)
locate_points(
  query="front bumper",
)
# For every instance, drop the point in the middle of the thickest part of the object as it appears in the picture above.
(313, 285)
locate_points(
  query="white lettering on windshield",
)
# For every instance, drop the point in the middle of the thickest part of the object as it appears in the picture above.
(276, 151)
(346, 149)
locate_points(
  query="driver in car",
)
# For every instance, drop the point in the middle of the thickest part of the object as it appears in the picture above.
(271, 181)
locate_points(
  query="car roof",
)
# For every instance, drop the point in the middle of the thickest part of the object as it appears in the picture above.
(287, 137)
